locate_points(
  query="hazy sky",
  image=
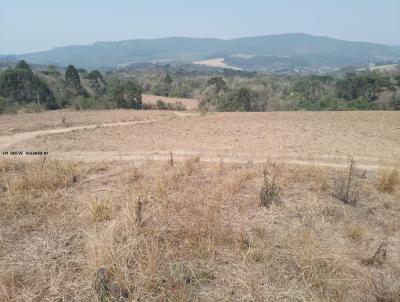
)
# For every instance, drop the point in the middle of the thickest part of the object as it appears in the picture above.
(32, 25)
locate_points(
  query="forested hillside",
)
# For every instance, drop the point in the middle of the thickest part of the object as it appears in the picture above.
(52, 87)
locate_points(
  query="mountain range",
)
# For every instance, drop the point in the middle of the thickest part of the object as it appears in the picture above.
(262, 53)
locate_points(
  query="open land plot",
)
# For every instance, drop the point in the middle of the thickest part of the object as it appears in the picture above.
(181, 228)
(369, 136)
(24, 121)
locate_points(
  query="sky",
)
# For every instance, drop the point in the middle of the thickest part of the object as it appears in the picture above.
(35, 25)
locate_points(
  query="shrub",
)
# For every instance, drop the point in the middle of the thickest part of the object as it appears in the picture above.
(82, 103)
(7, 107)
(3, 104)
(161, 105)
(34, 107)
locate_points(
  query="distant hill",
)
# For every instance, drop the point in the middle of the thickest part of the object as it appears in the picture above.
(263, 53)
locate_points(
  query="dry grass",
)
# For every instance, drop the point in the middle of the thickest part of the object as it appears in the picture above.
(167, 250)
(25, 185)
(100, 210)
(269, 190)
(194, 231)
(389, 179)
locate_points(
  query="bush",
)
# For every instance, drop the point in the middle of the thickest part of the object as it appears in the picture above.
(53, 106)
(161, 105)
(3, 104)
(94, 103)
(360, 104)
(34, 107)
(7, 107)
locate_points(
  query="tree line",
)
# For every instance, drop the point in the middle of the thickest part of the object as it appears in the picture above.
(50, 89)
(217, 90)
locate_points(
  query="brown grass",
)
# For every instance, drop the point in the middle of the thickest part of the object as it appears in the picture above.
(100, 210)
(389, 179)
(25, 184)
(192, 231)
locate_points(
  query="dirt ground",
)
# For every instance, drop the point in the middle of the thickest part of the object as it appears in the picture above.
(219, 62)
(371, 137)
(243, 211)
(24, 121)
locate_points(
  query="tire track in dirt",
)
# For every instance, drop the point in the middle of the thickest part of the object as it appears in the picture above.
(364, 163)
(9, 140)
(371, 164)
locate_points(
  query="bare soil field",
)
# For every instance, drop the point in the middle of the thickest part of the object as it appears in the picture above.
(233, 215)
(190, 104)
(325, 136)
(24, 122)
(218, 62)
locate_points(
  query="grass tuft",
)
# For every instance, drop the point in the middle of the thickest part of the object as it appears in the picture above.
(388, 179)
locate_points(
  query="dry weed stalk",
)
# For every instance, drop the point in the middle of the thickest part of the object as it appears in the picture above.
(346, 186)
(171, 159)
(269, 191)
(380, 256)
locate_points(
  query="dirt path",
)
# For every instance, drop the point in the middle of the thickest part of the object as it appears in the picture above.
(365, 163)
(9, 140)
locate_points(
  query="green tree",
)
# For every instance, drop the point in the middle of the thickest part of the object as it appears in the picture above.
(23, 65)
(3, 104)
(366, 85)
(74, 81)
(168, 79)
(396, 100)
(97, 82)
(126, 94)
(309, 89)
(218, 83)
(21, 85)
(239, 100)
(10, 86)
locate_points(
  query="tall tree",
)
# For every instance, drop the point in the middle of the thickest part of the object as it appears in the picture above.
(74, 81)
(238, 100)
(127, 94)
(97, 82)
(23, 65)
(21, 85)
(168, 79)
